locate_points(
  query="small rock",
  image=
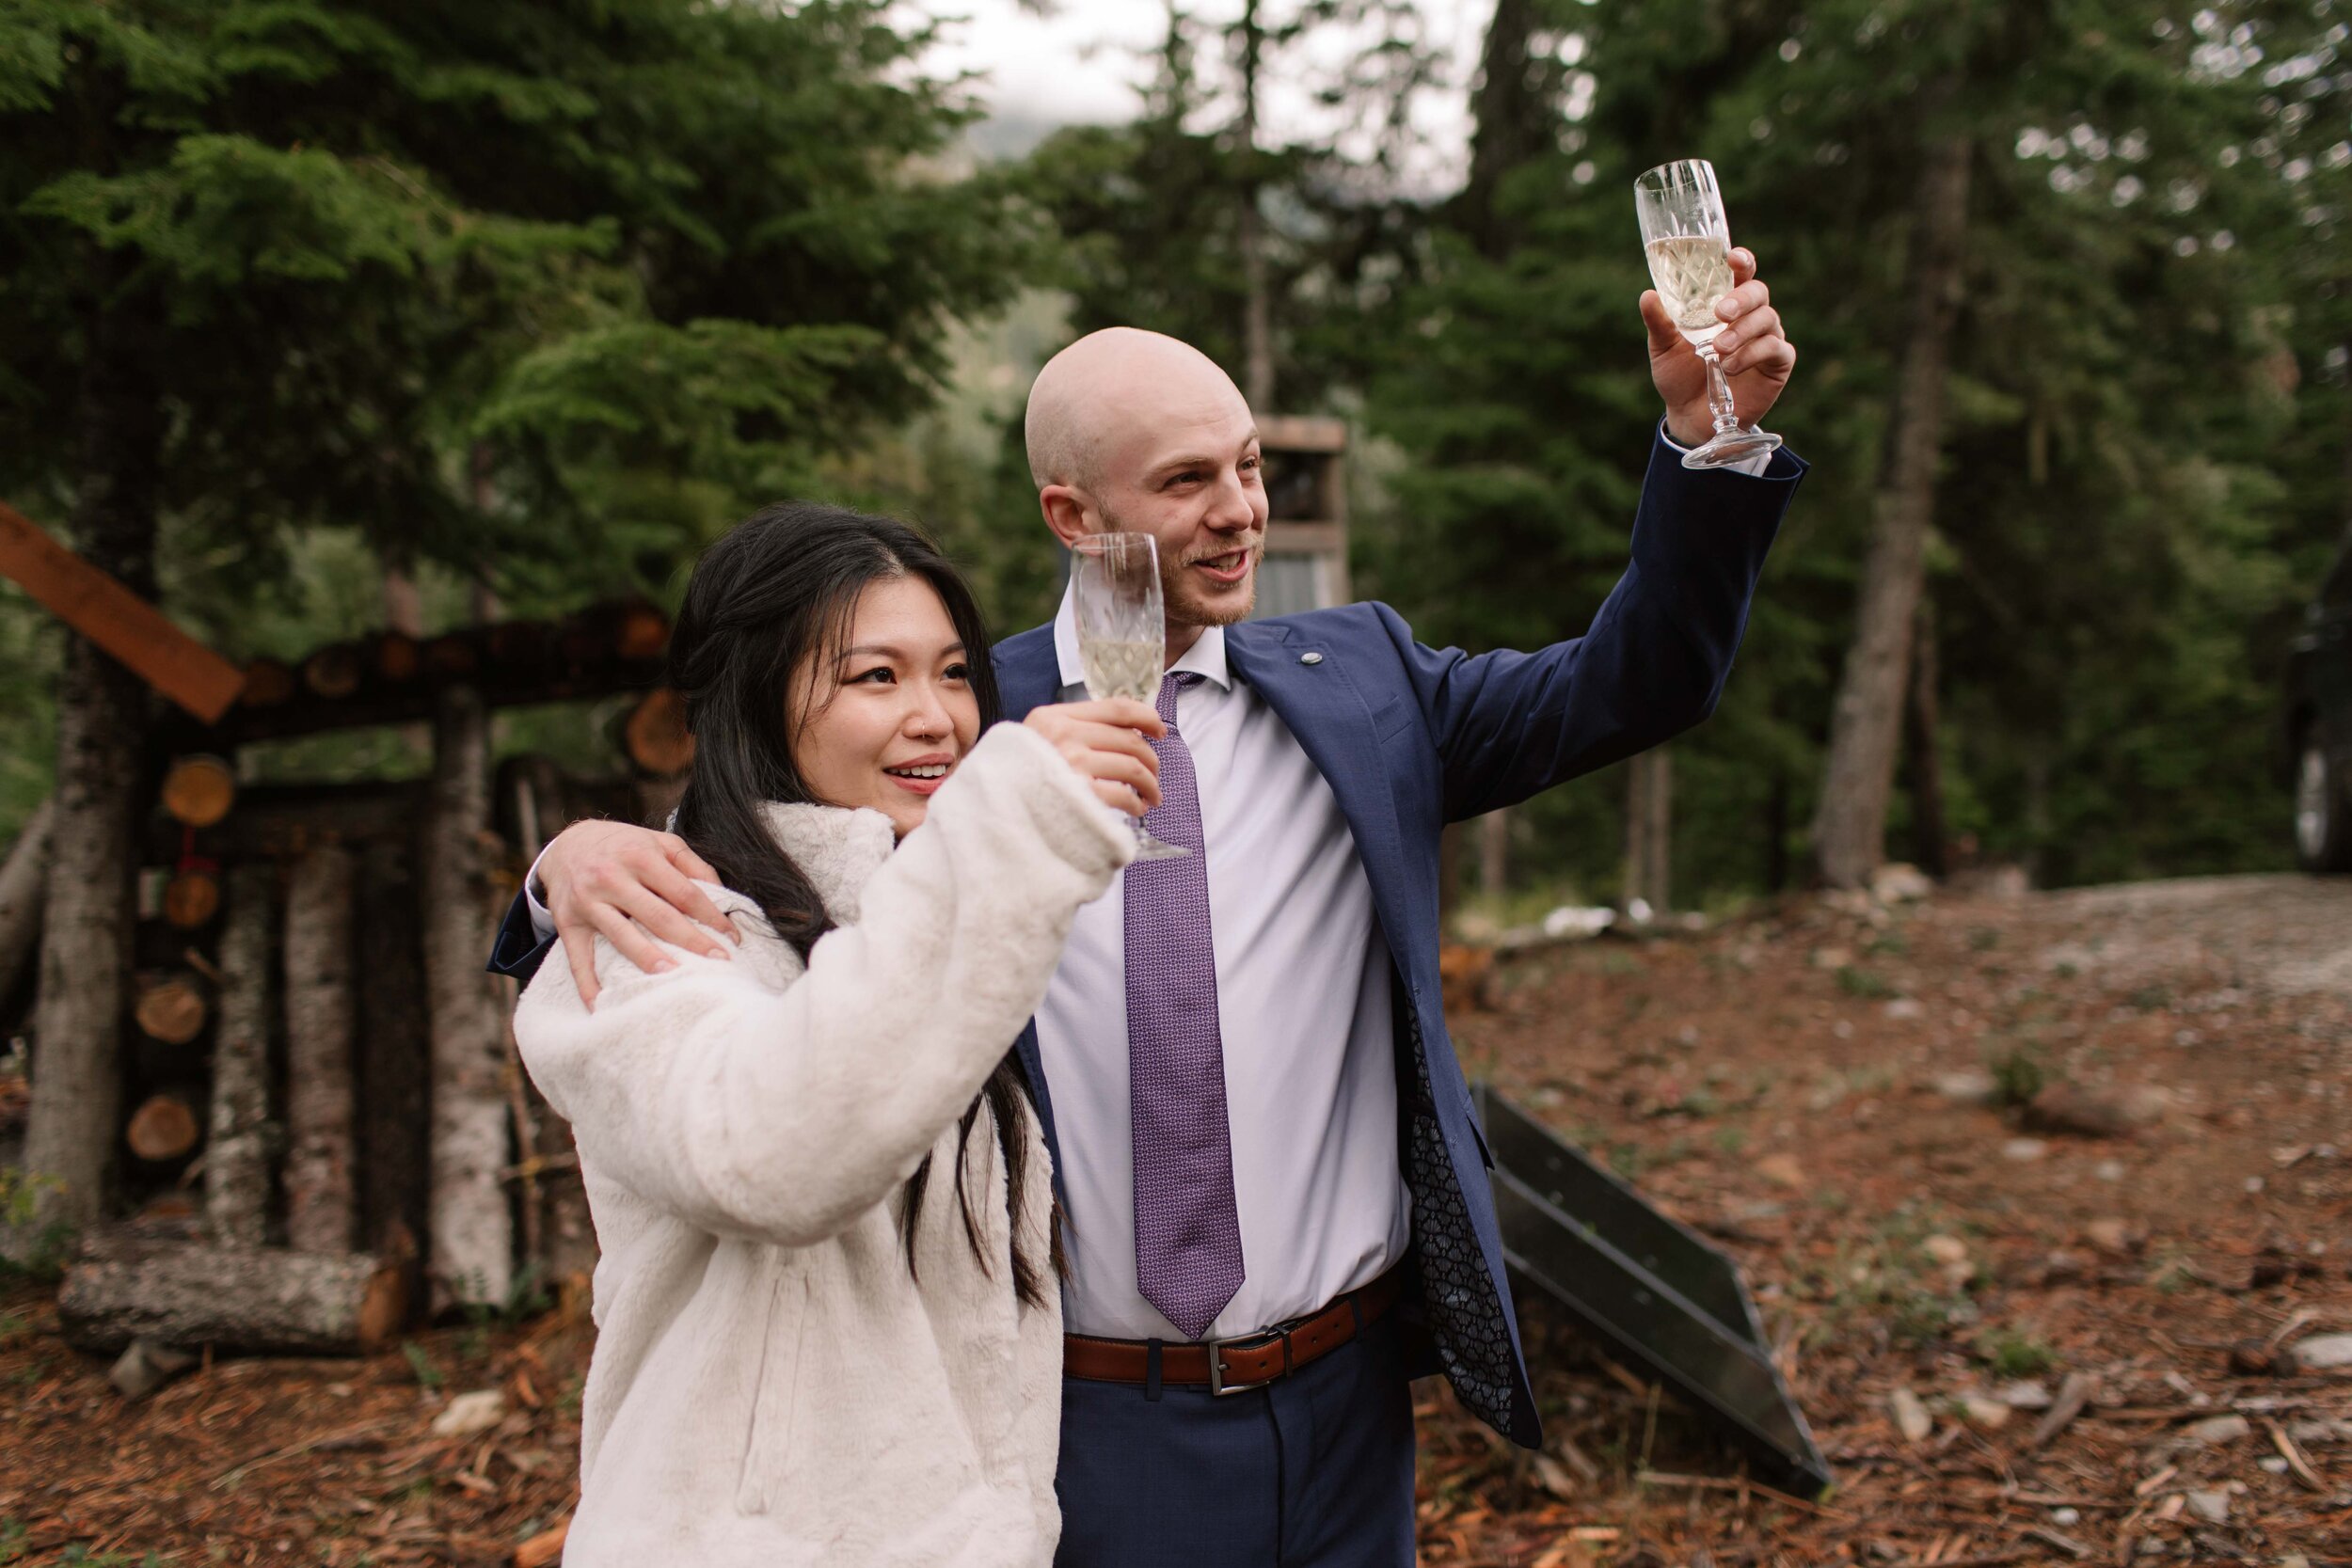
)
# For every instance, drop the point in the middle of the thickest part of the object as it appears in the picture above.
(2255, 1359)
(2062, 1268)
(1900, 883)
(470, 1414)
(1911, 1416)
(1905, 1008)
(1780, 1170)
(2212, 1506)
(1968, 1088)
(2073, 1110)
(2109, 1170)
(2112, 1236)
(145, 1366)
(2024, 1396)
(1983, 1413)
(2066, 1516)
(1946, 1250)
(2324, 1353)
(2215, 1429)
(2273, 1464)
(2024, 1150)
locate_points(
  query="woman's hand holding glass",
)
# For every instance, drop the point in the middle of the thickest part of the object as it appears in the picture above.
(1104, 741)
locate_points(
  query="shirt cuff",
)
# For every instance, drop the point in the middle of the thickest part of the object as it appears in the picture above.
(1753, 467)
(542, 923)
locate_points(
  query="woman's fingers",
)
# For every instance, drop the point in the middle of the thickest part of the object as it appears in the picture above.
(1123, 711)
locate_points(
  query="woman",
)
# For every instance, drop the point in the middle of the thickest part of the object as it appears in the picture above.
(829, 1325)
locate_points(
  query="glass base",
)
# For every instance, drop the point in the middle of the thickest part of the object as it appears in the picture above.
(1149, 847)
(1730, 447)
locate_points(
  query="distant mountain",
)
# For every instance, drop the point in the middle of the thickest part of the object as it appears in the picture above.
(1001, 138)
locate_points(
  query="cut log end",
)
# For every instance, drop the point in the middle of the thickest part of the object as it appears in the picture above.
(191, 899)
(171, 1009)
(198, 790)
(161, 1130)
(657, 738)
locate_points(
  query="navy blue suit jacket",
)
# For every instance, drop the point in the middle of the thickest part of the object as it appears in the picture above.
(1411, 738)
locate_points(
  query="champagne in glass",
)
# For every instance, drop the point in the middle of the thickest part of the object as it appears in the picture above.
(1688, 240)
(1122, 632)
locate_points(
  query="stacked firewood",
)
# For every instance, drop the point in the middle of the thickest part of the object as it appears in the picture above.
(327, 1120)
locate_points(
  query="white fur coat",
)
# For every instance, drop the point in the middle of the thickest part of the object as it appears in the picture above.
(771, 1386)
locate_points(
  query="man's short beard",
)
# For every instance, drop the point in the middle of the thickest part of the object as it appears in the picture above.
(1175, 588)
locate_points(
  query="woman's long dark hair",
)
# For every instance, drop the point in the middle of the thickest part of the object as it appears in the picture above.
(777, 590)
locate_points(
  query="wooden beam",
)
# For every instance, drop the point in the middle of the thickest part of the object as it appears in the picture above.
(110, 616)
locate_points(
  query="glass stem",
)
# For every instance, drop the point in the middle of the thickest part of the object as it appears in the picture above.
(1718, 392)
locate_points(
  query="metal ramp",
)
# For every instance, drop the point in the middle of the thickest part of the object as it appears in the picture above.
(1654, 1292)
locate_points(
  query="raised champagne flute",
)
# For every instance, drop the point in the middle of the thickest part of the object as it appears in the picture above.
(1122, 632)
(1689, 242)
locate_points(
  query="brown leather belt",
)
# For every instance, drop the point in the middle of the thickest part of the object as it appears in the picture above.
(1230, 1366)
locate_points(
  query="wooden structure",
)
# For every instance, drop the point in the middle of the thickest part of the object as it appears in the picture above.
(327, 1125)
(1306, 551)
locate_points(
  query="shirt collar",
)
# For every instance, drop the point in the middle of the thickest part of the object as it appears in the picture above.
(1205, 658)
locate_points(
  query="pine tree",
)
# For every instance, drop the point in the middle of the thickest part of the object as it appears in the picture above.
(547, 291)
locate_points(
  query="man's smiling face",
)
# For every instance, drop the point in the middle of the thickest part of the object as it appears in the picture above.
(1135, 431)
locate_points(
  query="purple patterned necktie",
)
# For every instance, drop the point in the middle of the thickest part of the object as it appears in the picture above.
(1187, 1228)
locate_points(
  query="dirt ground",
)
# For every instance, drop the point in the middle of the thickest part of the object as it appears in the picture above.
(1974, 1158)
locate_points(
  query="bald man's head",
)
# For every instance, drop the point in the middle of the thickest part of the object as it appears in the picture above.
(1137, 431)
(1096, 395)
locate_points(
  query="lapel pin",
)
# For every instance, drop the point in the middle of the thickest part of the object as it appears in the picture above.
(1310, 659)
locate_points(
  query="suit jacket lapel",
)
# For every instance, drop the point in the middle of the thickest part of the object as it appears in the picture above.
(1029, 674)
(1329, 714)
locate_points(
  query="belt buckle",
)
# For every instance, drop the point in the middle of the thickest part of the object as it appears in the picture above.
(1217, 1385)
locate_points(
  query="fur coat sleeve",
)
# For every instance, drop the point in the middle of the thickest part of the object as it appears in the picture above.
(783, 1115)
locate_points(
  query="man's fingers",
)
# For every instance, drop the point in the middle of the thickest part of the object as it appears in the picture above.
(1743, 301)
(1663, 334)
(664, 920)
(580, 952)
(674, 887)
(690, 862)
(1751, 328)
(1776, 357)
(630, 939)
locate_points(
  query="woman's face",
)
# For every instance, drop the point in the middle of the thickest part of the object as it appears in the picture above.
(886, 725)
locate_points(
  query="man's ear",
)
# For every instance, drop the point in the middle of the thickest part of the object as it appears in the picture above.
(1065, 508)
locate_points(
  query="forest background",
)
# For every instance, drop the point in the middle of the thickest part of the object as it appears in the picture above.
(518, 304)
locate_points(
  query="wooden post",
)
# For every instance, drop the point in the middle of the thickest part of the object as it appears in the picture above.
(321, 1208)
(1649, 829)
(472, 1246)
(394, 1068)
(236, 1166)
(1494, 852)
(23, 880)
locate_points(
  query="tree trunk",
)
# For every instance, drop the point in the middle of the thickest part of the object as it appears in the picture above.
(236, 1166)
(1925, 762)
(1513, 120)
(120, 1288)
(395, 1058)
(321, 1209)
(1649, 829)
(1257, 383)
(1849, 827)
(24, 882)
(1494, 852)
(472, 1256)
(102, 723)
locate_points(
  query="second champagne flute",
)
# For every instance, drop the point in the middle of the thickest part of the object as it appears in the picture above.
(1122, 632)
(1688, 241)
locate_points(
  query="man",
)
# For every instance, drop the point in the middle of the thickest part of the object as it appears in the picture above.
(1277, 1206)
